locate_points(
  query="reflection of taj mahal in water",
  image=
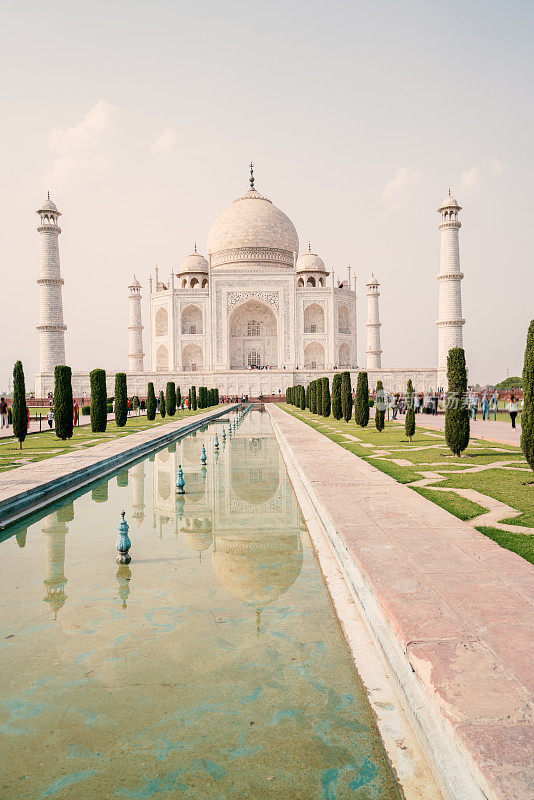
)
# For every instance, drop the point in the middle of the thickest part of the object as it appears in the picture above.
(254, 317)
(240, 511)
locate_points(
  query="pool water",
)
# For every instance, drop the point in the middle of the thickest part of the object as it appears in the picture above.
(213, 666)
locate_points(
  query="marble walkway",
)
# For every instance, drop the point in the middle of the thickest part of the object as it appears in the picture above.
(459, 608)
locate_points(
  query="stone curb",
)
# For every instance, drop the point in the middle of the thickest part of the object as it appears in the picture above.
(21, 503)
(439, 693)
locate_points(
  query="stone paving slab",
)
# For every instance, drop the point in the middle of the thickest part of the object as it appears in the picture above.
(33, 485)
(460, 607)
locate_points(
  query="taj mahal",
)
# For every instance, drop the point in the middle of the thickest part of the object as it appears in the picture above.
(253, 316)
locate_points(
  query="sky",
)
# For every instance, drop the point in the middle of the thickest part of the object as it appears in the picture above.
(141, 119)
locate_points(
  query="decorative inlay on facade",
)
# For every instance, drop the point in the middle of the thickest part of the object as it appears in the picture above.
(234, 298)
(256, 254)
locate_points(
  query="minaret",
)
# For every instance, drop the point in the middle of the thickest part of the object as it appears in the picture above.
(450, 322)
(374, 352)
(135, 348)
(51, 328)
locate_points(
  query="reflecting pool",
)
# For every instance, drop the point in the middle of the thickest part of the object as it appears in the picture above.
(212, 666)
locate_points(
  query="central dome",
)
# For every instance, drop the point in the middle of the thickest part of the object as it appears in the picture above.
(252, 230)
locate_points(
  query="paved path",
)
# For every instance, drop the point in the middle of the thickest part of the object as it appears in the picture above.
(490, 430)
(34, 425)
(456, 606)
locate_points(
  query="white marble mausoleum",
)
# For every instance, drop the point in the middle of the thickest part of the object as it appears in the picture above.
(252, 316)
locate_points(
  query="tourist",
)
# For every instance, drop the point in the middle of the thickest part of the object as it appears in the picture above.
(485, 406)
(513, 408)
(50, 418)
(473, 403)
(395, 406)
(3, 412)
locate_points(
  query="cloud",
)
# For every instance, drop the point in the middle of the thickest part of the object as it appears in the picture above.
(488, 168)
(395, 193)
(163, 145)
(83, 147)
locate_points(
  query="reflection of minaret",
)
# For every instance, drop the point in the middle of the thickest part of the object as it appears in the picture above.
(20, 536)
(55, 529)
(137, 474)
(100, 493)
(124, 574)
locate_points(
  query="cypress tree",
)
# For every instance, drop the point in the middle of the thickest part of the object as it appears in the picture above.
(313, 401)
(194, 397)
(162, 404)
(288, 395)
(326, 403)
(99, 401)
(170, 398)
(178, 398)
(380, 403)
(190, 401)
(319, 396)
(151, 403)
(217, 400)
(527, 417)
(409, 422)
(337, 412)
(63, 404)
(361, 401)
(121, 399)
(308, 396)
(346, 395)
(201, 403)
(456, 412)
(20, 410)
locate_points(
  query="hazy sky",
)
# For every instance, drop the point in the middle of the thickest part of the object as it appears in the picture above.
(141, 119)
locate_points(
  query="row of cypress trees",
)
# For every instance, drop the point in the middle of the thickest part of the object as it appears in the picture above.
(207, 397)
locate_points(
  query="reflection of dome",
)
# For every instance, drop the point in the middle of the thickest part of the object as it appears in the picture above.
(252, 229)
(198, 534)
(258, 572)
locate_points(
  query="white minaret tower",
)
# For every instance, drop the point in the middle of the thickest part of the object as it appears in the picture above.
(51, 328)
(450, 322)
(135, 344)
(374, 352)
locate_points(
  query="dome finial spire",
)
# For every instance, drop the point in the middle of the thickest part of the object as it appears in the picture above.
(449, 191)
(195, 247)
(48, 193)
(251, 179)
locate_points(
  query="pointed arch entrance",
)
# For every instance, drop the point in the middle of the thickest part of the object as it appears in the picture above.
(252, 336)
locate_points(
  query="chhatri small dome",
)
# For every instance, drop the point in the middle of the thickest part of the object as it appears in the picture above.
(252, 229)
(48, 205)
(194, 262)
(450, 202)
(310, 262)
(373, 280)
(134, 284)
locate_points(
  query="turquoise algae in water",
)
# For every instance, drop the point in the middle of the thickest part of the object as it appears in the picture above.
(213, 666)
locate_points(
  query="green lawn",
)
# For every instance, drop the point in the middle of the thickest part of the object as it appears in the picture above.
(40, 446)
(428, 453)
(518, 543)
